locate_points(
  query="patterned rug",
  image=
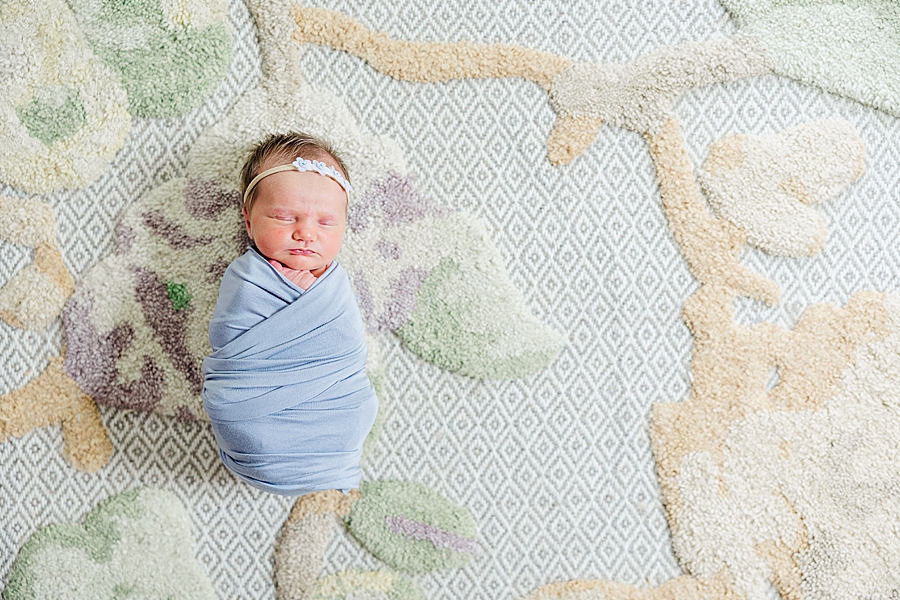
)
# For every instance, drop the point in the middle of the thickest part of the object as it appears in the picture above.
(628, 271)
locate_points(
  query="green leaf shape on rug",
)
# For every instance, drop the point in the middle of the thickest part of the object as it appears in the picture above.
(64, 113)
(435, 278)
(54, 116)
(411, 527)
(470, 319)
(134, 544)
(175, 52)
(849, 47)
(366, 585)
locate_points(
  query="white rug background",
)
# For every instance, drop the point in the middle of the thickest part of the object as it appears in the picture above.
(556, 467)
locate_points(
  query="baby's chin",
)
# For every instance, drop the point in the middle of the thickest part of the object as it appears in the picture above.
(314, 264)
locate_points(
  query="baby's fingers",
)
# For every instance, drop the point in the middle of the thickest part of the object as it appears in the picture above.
(303, 279)
(306, 280)
(284, 269)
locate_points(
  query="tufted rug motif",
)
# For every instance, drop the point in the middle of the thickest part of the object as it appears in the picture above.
(641, 461)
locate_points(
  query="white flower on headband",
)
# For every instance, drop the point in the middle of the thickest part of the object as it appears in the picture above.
(302, 165)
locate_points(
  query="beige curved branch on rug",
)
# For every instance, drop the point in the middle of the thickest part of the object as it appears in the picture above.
(638, 95)
(299, 554)
(731, 364)
(54, 397)
(425, 61)
(709, 245)
(31, 300)
(731, 369)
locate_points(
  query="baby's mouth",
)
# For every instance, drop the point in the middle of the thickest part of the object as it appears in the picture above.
(302, 251)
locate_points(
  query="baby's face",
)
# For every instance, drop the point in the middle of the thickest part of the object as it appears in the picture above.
(298, 219)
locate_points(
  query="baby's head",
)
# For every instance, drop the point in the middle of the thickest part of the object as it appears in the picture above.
(295, 191)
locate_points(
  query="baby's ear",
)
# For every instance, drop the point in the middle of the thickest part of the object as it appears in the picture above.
(247, 222)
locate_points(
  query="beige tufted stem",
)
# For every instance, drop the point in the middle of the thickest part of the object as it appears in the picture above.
(54, 397)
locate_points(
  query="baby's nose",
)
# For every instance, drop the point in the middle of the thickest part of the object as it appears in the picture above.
(305, 232)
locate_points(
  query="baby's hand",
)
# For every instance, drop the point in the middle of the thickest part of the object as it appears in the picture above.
(303, 279)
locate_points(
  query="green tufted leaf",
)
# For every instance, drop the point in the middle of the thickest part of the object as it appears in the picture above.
(135, 544)
(65, 114)
(849, 47)
(470, 319)
(411, 527)
(53, 118)
(173, 59)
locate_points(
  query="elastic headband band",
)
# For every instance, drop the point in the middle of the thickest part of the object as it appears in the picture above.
(302, 165)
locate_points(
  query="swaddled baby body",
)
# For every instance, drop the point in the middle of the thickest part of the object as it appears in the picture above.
(285, 387)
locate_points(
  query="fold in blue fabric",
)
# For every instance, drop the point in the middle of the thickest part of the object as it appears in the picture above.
(286, 387)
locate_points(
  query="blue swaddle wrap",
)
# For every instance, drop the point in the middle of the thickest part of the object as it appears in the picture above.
(286, 387)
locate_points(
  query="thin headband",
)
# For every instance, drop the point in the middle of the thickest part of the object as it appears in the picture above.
(302, 165)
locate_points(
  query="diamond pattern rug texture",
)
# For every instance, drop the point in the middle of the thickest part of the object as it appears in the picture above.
(555, 467)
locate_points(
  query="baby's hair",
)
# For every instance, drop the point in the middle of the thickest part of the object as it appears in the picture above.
(285, 147)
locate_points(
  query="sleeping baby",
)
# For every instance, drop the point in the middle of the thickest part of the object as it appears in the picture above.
(286, 387)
